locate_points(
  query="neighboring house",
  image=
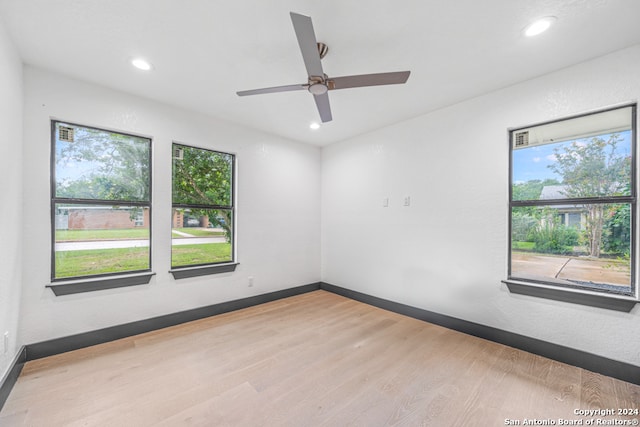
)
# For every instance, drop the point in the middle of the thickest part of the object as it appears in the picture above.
(177, 220)
(99, 218)
(570, 215)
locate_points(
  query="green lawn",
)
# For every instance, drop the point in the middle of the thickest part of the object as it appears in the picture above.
(525, 246)
(183, 255)
(100, 261)
(103, 261)
(114, 234)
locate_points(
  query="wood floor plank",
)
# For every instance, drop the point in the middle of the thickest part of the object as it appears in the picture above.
(316, 359)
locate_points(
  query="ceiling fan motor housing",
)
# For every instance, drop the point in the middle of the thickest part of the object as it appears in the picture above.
(318, 85)
(318, 88)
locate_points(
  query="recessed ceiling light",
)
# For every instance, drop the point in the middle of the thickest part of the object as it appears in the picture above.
(141, 64)
(539, 26)
(314, 126)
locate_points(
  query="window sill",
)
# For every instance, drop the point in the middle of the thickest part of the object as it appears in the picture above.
(592, 299)
(99, 284)
(186, 272)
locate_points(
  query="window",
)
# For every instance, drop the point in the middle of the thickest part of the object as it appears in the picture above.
(100, 203)
(203, 208)
(573, 203)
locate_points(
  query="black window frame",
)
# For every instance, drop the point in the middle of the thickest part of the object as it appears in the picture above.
(101, 281)
(587, 295)
(194, 270)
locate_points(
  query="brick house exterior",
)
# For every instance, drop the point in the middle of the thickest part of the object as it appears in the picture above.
(99, 218)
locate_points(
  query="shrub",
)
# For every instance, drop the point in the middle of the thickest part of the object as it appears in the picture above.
(554, 238)
(616, 236)
(523, 226)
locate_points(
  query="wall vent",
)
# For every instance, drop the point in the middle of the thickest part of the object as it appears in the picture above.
(66, 134)
(178, 153)
(521, 139)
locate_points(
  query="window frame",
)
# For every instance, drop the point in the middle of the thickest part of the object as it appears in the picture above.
(195, 270)
(92, 282)
(592, 296)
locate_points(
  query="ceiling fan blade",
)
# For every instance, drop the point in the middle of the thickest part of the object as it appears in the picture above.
(275, 89)
(322, 102)
(308, 44)
(369, 80)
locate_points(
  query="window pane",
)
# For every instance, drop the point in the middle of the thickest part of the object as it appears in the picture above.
(94, 239)
(574, 245)
(584, 157)
(201, 177)
(102, 165)
(201, 237)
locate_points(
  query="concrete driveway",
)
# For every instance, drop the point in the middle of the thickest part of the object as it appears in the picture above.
(583, 269)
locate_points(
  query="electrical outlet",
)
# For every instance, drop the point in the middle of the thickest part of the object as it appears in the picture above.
(250, 281)
(385, 202)
(407, 201)
(6, 342)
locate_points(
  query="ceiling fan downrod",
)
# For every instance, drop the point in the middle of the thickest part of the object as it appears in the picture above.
(323, 49)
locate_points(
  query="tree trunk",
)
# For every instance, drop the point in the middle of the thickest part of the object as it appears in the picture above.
(595, 223)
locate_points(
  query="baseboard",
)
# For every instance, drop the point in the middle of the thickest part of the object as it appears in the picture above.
(10, 378)
(620, 370)
(591, 362)
(87, 339)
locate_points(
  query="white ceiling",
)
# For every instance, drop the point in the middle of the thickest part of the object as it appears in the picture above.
(204, 51)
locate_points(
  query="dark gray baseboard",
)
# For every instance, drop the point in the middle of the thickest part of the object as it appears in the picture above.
(87, 339)
(8, 381)
(591, 362)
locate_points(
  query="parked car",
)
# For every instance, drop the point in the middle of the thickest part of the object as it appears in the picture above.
(218, 222)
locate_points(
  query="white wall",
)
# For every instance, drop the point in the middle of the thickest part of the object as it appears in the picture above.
(278, 209)
(447, 252)
(10, 196)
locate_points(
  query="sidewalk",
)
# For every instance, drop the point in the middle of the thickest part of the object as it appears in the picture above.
(125, 243)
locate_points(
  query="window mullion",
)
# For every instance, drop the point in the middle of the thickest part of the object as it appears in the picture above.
(568, 201)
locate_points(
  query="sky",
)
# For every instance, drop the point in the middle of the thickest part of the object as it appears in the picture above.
(532, 162)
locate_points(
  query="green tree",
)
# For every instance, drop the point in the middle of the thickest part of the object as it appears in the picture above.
(202, 177)
(530, 190)
(617, 230)
(592, 169)
(103, 165)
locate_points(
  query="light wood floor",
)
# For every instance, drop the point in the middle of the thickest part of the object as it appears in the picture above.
(313, 359)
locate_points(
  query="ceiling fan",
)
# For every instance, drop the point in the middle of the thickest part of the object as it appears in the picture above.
(318, 83)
